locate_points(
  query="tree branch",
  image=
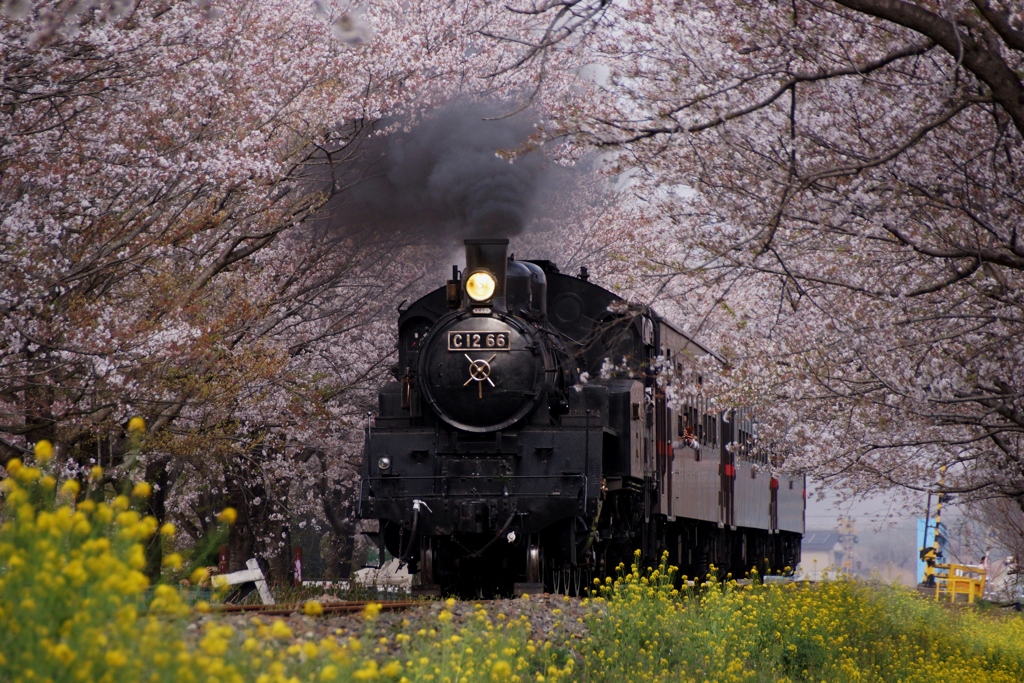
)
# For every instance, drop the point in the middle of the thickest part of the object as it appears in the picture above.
(988, 66)
(999, 21)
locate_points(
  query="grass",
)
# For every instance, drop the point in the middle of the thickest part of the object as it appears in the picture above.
(74, 606)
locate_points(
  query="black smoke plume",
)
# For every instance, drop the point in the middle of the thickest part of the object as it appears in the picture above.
(458, 171)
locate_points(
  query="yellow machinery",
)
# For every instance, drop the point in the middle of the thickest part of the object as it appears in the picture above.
(952, 580)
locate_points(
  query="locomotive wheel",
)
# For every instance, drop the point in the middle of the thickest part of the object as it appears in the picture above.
(428, 575)
(534, 560)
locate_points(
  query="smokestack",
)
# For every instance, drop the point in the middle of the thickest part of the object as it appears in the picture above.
(488, 256)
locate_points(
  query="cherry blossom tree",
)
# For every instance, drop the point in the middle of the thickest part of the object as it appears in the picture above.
(841, 181)
(160, 167)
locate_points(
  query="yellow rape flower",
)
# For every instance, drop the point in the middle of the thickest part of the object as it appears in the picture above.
(313, 608)
(137, 557)
(70, 488)
(137, 425)
(168, 530)
(127, 519)
(115, 658)
(96, 473)
(228, 516)
(371, 610)
(280, 630)
(43, 451)
(63, 653)
(103, 514)
(367, 672)
(142, 490)
(27, 475)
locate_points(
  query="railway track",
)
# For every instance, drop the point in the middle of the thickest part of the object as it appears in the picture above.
(328, 608)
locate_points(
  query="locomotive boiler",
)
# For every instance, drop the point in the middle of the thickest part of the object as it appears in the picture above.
(500, 460)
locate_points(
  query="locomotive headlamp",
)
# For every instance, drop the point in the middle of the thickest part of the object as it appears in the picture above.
(384, 463)
(480, 286)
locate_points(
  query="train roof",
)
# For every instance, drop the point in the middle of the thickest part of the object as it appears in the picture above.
(690, 341)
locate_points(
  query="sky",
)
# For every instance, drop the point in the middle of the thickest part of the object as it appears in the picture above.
(876, 512)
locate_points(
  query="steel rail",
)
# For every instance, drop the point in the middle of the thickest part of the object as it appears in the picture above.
(328, 608)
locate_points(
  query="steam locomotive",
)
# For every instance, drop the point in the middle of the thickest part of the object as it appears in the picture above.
(501, 461)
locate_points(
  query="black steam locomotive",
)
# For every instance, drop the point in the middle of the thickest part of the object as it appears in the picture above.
(495, 464)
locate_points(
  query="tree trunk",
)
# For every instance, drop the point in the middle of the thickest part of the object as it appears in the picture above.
(156, 474)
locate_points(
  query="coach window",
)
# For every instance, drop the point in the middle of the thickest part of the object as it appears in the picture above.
(711, 429)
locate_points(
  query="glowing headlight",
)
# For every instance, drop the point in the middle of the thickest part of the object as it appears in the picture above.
(480, 286)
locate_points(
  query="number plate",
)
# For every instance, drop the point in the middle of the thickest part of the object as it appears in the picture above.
(469, 340)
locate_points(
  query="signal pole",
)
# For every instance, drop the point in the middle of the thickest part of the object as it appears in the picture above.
(933, 554)
(848, 537)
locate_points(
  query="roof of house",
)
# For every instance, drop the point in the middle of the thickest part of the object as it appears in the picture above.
(819, 540)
